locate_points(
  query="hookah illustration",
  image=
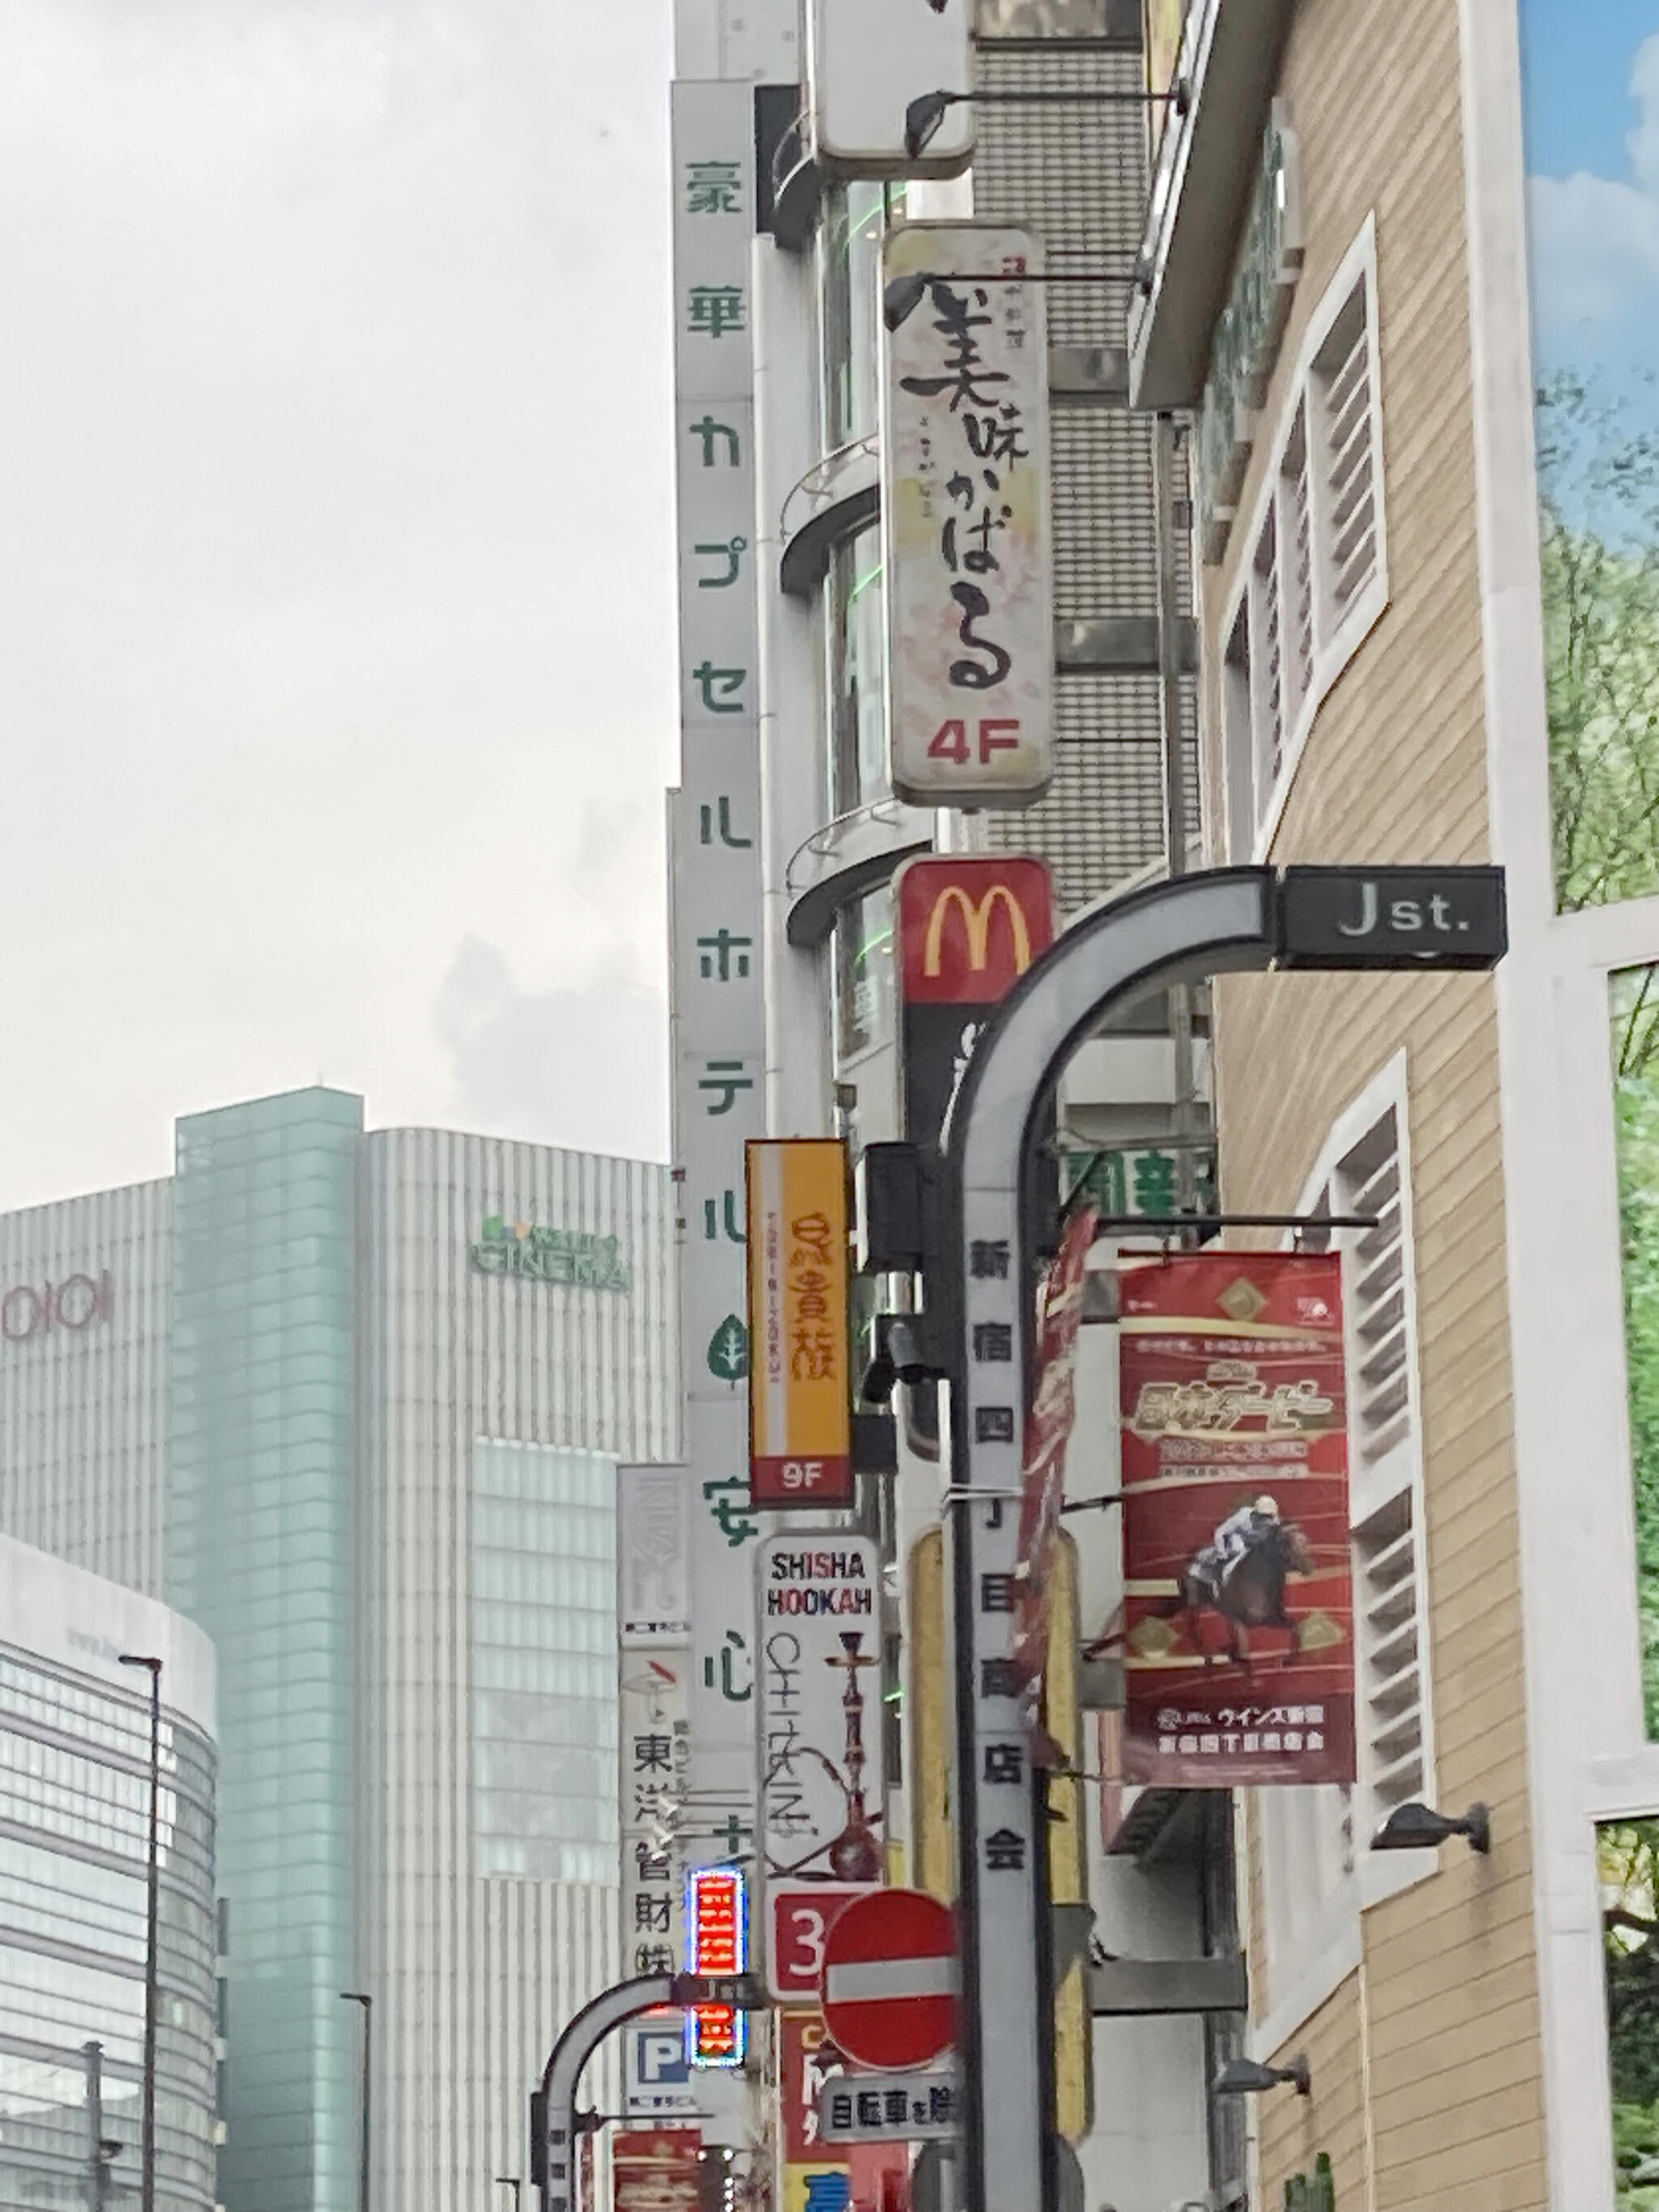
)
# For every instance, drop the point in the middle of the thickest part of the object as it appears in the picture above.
(854, 1855)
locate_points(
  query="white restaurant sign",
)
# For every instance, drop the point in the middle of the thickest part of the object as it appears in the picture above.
(968, 572)
(819, 1670)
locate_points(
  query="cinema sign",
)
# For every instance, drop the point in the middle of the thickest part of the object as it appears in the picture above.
(29, 1310)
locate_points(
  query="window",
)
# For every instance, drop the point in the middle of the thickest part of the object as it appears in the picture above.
(1316, 1869)
(1316, 577)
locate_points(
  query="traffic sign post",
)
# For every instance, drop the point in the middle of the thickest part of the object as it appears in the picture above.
(903, 2108)
(1197, 925)
(889, 1979)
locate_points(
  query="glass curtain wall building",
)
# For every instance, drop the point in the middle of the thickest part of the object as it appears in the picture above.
(355, 1399)
(75, 1784)
(262, 1521)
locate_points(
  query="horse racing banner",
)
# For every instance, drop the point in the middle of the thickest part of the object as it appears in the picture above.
(1239, 1595)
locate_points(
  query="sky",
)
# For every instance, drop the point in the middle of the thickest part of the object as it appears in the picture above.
(1591, 75)
(337, 695)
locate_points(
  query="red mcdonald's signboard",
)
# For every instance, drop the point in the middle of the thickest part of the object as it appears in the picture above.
(969, 927)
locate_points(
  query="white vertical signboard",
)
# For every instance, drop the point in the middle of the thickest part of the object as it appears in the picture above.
(818, 1668)
(654, 1579)
(717, 982)
(968, 572)
(866, 61)
(656, 1771)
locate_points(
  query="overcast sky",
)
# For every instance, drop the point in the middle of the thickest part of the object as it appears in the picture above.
(335, 643)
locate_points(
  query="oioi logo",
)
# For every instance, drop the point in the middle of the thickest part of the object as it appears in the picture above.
(28, 1311)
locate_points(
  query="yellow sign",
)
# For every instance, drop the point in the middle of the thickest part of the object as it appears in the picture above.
(800, 1396)
(976, 924)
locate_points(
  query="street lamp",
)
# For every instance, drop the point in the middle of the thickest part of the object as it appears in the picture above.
(927, 111)
(1417, 1828)
(362, 1997)
(1242, 2077)
(152, 1922)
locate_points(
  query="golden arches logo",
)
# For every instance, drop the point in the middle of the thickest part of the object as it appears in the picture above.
(976, 915)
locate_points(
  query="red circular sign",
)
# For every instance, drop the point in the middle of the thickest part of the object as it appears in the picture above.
(889, 1979)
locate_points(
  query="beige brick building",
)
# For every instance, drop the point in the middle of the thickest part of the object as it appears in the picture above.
(1377, 689)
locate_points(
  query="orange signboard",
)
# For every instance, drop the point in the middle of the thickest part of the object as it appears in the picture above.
(800, 1397)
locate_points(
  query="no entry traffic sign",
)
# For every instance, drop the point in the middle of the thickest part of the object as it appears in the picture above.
(889, 1979)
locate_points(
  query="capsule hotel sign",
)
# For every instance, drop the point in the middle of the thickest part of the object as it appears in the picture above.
(967, 572)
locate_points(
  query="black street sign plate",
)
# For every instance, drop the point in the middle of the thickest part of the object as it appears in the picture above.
(1356, 917)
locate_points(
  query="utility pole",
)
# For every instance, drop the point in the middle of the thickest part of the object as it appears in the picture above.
(97, 2169)
(152, 1924)
(362, 1997)
(1177, 810)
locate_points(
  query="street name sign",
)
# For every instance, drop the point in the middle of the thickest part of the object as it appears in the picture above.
(1353, 917)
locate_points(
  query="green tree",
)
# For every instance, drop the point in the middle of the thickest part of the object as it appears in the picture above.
(1598, 491)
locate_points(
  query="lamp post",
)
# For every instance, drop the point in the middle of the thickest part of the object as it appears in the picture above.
(362, 1997)
(152, 1924)
(924, 114)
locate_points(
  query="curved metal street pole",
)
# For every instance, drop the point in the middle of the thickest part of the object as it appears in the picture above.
(1202, 924)
(553, 2114)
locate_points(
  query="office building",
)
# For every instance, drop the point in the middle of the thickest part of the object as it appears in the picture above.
(351, 1400)
(75, 1814)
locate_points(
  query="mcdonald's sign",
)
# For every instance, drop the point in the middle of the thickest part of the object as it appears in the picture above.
(969, 927)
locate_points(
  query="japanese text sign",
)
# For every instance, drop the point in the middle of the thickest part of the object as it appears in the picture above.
(800, 1406)
(656, 1761)
(716, 1942)
(965, 515)
(920, 2107)
(818, 1663)
(1237, 1580)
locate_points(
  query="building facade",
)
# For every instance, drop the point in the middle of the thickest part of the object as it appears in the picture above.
(377, 1382)
(74, 1812)
(787, 834)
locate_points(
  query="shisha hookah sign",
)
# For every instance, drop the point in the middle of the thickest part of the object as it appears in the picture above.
(820, 1621)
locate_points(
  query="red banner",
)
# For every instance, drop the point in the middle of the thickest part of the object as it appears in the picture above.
(655, 2170)
(1048, 1432)
(1238, 1588)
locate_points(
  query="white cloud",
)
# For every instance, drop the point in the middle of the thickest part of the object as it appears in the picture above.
(588, 1068)
(1596, 239)
(335, 574)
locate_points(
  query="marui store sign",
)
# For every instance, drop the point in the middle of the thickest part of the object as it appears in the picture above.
(31, 1310)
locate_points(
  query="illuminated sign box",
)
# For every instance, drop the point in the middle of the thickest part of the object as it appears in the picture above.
(716, 1942)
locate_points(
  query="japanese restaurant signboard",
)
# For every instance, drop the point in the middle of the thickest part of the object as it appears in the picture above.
(1239, 1653)
(967, 572)
(800, 1402)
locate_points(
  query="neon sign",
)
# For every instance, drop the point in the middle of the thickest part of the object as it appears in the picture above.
(716, 1942)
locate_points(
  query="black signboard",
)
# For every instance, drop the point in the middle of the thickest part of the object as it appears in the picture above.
(1357, 917)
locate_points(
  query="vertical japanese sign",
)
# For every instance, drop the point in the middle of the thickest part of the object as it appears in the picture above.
(715, 905)
(800, 1402)
(1048, 1432)
(819, 1628)
(814, 2177)
(716, 1943)
(968, 930)
(656, 1765)
(653, 1593)
(1238, 1576)
(968, 572)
